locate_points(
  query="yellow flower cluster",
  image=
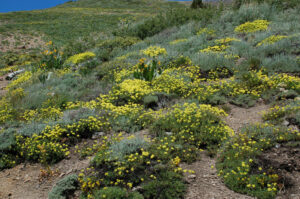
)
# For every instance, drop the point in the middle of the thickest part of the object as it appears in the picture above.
(206, 31)
(279, 112)
(132, 89)
(154, 51)
(238, 157)
(214, 49)
(43, 114)
(172, 81)
(6, 110)
(177, 41)
(251, 27)
(226, 40)
(6, 70)
(49, 146)
(123, 74)
(76, 59)
(271, 40)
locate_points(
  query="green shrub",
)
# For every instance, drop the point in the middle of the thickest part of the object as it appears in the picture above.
(239, 165)
(198, 125)
(246, 101)
(64, 187)
(168, 185)
(125, 147)
(197, 4)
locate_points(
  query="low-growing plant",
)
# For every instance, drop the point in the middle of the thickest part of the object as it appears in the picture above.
(64, 188)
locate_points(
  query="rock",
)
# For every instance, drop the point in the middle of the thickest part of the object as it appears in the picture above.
(13, 74)
(49, 75)
(281, 89)
(285, 123)
(294, 196)
(70, 171)
(27, 178)
(138, 188)
(169, 133)
(192, 177)
(260, 100)
(97, 135)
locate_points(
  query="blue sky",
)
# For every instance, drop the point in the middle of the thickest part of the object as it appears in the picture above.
(18, 5)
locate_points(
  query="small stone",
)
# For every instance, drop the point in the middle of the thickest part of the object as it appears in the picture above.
(285, 123)
(27, 178)
(97, 135)
(260, 100)
(282, 89)
(49, 75)
(169, 133)
(138, 188)
(192, 177)
(70, 171)
(277, 146)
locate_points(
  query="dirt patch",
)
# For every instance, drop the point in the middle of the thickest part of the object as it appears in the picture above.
(17, 42)
(29, 181)
(205, 183)
(239, 117)
(285, 161)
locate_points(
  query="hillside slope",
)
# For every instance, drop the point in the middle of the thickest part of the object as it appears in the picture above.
(173, 103)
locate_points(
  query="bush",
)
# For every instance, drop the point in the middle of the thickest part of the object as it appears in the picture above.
(239, 164)
(197, 4)
(125, 147)
(64, 187)
(168, 185)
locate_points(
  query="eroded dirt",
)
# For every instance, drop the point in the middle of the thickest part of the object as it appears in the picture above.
(207, 184)
(284, 160)
(17, 42)
(238, 117)
(30, 181)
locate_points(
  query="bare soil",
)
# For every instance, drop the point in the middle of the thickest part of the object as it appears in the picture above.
(238, 117)
(17, 42)
(284, 160)
(31, 181)
(207, 184)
